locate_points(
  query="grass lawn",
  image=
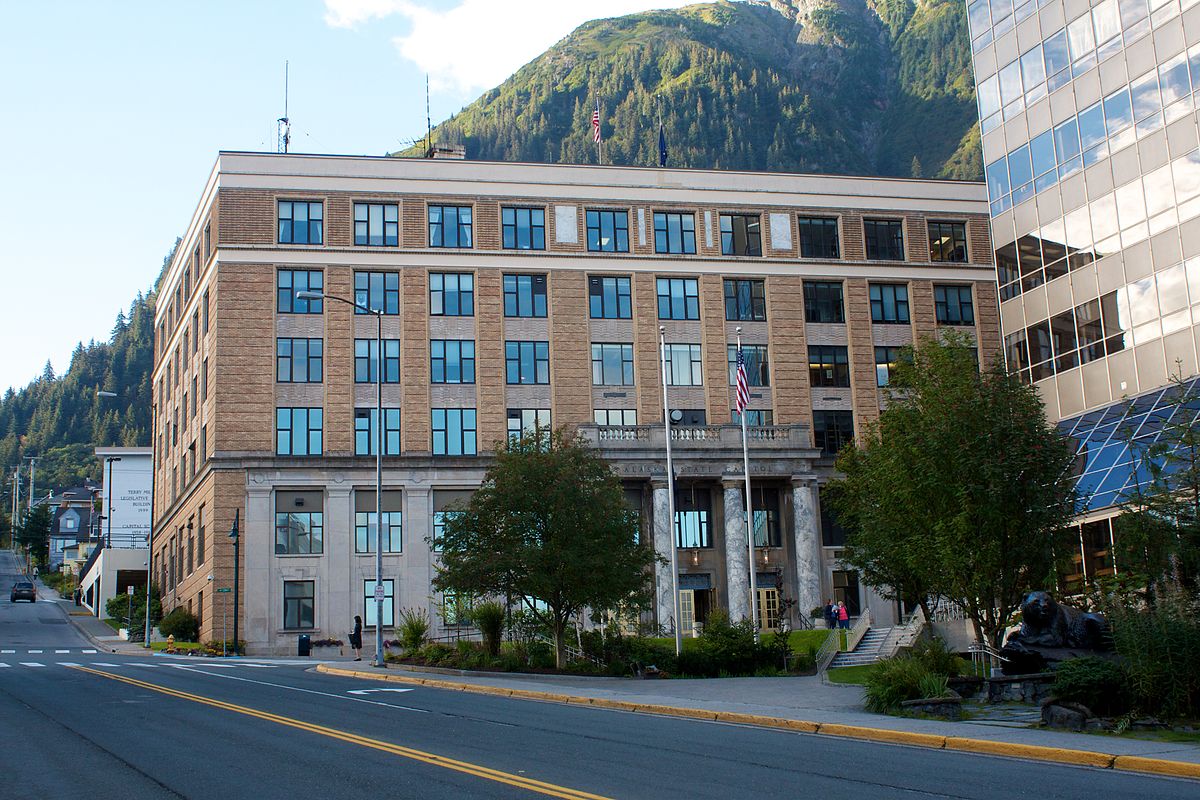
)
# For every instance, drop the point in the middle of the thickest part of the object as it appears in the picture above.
(852, 675)
(115, 624)
(801, 641)
(161, 646)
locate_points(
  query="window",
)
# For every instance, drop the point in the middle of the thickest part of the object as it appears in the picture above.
(191, 553)
(832, 430)
(300, 222)
(948, 241)
(290, 281)
(740, 235)
(200, 544)
(203, 443)
(755, 356)
(456, 609)
(615, 417)
(765, 503)
(745, 300)
(452, 294)
(378, 291)
(366, 434)
(364, 521)
(819, 237)
(298, 431)
(823, 301)
(674, 233)
(523, 228)
(828, 365)
(885, 239)
(376, 224)
(526, 362)
(299, 523)
(684, 367)
(204, 379)
(885, 364)
(446, 505)
(693, 506)
(451, 360)
(612, 365)
(298, 605)
(889, 303)
(195, 397)
(453, 431)
(298, 360)
(609, 298)
(449, 226)
(366, 360)
(195, 331)
(524, 295)
(678, 298)
(204, 314)
(755, 418)
(389, 596)
(954, 305)
(607, 231)
(526, 420)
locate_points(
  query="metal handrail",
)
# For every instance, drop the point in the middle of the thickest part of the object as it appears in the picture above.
(828, 650)
(861, 626)
(903, 635)
(984, 656)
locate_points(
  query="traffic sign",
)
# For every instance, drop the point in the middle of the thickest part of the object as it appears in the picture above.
(379, 595)
(128, 590)
(226, 589)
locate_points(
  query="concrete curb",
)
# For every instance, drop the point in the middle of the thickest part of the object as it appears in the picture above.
(1060, 755)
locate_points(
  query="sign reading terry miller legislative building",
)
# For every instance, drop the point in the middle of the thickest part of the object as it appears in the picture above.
(128, 480)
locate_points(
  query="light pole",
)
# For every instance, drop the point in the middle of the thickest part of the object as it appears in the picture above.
(379, 661)
(233, 534)
(671, 525)
(153, 499)
(108, 491)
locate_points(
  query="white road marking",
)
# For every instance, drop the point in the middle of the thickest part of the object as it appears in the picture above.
(258, 666)
(103, 664)
(3, 665)
(368, 691)
(31, 664)
(68, 664)
(306, 691)
(34, 652)
(8, 652)
(88, 652)
(60, 652)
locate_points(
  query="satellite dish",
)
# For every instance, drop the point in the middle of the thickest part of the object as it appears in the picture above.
(676, 416)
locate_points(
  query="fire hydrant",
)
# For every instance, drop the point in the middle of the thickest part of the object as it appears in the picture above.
(171, 644)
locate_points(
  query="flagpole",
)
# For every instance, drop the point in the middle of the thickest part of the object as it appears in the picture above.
(662, 353)
(749, 506)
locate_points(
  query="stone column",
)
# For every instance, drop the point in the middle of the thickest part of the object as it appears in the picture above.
(664, 540)
(416, 568)
(737, 555)
(807, 523)
(261, 589)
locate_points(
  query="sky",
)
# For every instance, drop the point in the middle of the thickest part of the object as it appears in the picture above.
(112, 114)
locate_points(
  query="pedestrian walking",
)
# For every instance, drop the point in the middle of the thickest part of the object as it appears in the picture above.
(843, 615)
(356, 638)
(830, 614)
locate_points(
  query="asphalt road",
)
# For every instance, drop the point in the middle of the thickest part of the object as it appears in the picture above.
(96, 726)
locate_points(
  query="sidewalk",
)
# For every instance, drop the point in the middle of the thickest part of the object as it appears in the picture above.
(95, 631)
(806, 704)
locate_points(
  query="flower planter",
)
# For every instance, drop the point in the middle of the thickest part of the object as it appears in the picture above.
(327, 652)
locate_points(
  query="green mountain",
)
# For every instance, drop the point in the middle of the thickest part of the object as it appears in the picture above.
(839, 86)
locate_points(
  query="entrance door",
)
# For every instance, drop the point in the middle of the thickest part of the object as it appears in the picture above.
(768, 610)
(687, 612)
(845, 588)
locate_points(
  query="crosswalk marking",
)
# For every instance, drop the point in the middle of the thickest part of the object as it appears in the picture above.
(31, 664)
(7, 652)
(3, 665)
(35, 652)
(258, 666)
(104, 664)
(88, 652)
(60, 652)
(68, 664)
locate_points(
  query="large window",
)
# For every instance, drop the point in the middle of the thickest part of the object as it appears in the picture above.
(300, 222)
(612, 365)
(819, 237)
(948, 241)
(452, 361)
(524, 295)
(755, 417)
(298, 431)
(823, 302)
(832, 430)
(616, 417)
(290, 281)
(366, 360)
(377, 224)
(755, 357)
(954, 305)
(452, 294)
(378, 291)
(885, 239)
(457, 608)
(298, 605)
(526, 362)
(828, 365)
(674, 233)
(889, 303)
(608, 231)
(453, 431)
(740, 235)
(364, 521)
(885, 364)
(299, 523)
(765, 503)
(296, 361)
(447, 504)
(745, 300)
(693, 507)
(389, 602)
(450, 226)
(366, 434)
(684, 367)
(526, 420)
(523, 228)
(678, 298)
(609, 298)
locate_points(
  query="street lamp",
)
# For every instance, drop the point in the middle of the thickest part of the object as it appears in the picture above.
(109, 461)
(308, 295)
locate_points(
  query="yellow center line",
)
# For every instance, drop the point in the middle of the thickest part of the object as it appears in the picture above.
(465, 767)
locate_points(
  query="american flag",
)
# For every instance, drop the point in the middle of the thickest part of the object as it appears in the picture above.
(743, 385)
(596, 124)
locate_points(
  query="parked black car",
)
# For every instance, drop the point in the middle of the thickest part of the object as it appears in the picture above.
(23, 590)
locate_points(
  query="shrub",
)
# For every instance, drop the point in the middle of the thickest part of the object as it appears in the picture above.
(937, 658)
(489, 618)
(1160, 646)
(414, 629)
(1098, 683)
(895, 680)
(435, 654)
(731, 646)
(181, 624)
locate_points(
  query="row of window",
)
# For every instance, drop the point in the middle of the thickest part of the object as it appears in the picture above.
(184, 552)
(524, 228)
(299, 604)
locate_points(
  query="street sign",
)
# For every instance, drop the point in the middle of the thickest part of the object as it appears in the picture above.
(128, 590)
(223, 591)
(379, 594)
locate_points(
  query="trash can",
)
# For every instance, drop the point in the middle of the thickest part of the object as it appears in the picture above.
(304, 645)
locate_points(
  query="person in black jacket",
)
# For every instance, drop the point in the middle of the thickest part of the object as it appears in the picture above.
(830, 615)
(356, 638)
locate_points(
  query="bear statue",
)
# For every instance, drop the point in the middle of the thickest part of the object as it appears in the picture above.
(1050, 633)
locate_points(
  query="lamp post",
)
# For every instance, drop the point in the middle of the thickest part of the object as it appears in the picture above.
(233, 534)
(306, 295)
(150, 535)
(109, 461)
(662, 354)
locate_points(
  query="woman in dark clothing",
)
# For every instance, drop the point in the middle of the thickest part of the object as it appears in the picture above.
(356, 638)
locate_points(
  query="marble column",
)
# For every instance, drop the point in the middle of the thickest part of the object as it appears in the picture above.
(664, 540)
(737, 555)
(807, 524)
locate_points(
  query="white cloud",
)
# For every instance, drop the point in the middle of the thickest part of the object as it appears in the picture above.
(476, 44)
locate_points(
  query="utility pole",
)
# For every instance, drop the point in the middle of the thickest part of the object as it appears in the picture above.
(16, 504)
(32, 466)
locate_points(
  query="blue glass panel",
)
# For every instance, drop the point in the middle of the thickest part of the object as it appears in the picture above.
(1041, 150)
(997, 179)
(1091, 126)
(1020, 170)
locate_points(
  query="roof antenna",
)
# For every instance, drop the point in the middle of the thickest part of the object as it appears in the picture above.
(283, 126)
(428, 122)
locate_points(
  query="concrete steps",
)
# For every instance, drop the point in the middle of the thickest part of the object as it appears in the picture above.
(867, 652)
